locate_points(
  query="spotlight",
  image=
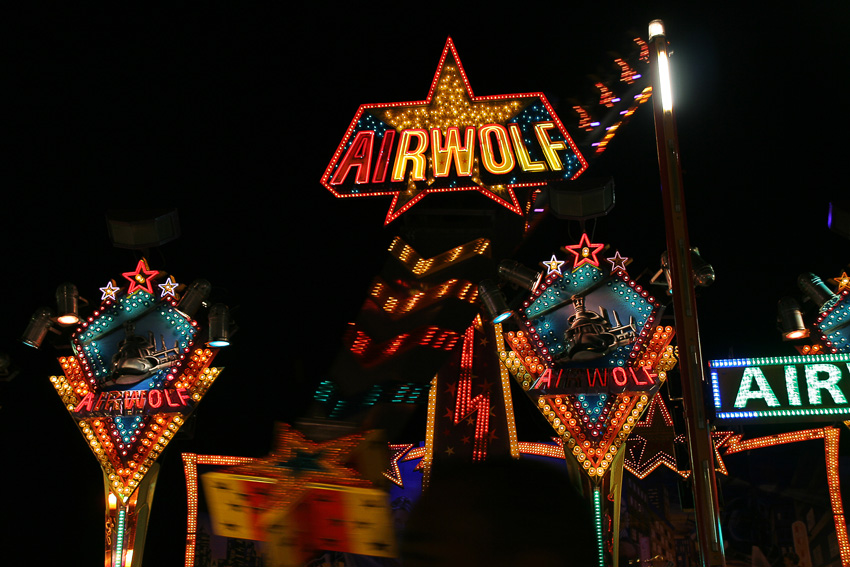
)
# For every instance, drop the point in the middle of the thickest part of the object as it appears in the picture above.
(40, 323)
(67, 300)
(790, 319)
(219, 320)
(816, 291)
(703, 271)
(515, 273)
(197, 293)
(494, 301)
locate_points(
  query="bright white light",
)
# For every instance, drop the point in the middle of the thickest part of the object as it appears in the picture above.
(69, 319)
(664, 76)
(656, 27)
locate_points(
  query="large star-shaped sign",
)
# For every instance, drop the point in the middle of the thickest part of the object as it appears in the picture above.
(452, 141)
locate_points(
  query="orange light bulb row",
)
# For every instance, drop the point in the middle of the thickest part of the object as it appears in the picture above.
(74, 373)
(830, 437)
(505, 377)
(595, 456)
(522, 361)
(430, 422)
(65, 391)
(195, 376)
(125, 478)
(190, 467)
(658, 355)
(385, 298)
(420, 266)
(612, 130)
(361, 345)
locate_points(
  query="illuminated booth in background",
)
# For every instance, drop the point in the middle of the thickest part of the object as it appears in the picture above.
(806, 389)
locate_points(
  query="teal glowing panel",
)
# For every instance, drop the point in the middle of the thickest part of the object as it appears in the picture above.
(785, 389)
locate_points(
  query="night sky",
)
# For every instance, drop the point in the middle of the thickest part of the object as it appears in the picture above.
(231, 114)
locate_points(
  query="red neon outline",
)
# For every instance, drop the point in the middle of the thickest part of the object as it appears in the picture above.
(579, 260)
(509, 201)
(141, 268)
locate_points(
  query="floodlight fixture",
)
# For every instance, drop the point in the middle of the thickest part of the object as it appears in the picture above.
(521, 276)
(40, 323)
(494, 301)
(790, 319)
(194, 297)
(816, 291)
(703, 271)
(67, 304)
(219, 325)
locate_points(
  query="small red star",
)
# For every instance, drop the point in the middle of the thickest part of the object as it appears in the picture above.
(584, 252)
(141, 278)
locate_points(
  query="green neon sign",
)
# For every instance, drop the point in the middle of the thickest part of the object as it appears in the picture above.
(786, 389)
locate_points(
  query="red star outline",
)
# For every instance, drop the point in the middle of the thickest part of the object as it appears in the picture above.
(145, 282)
(580, 258)
(401, 203)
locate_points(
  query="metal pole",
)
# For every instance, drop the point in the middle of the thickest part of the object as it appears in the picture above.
(684, 303)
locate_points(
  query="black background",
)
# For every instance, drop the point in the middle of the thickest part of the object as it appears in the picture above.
(231, 113)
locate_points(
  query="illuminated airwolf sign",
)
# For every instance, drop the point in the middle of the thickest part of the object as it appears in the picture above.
(452, 141)
(786, 389)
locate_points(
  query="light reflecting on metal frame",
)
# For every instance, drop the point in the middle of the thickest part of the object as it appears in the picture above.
(790, 319)
(494, 301)
(830, 437)
(521, 276)
(684, 305)
(67, 301)
(40, 323)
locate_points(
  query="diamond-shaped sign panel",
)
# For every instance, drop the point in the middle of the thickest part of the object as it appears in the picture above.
(134, 377)
(591, 355)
